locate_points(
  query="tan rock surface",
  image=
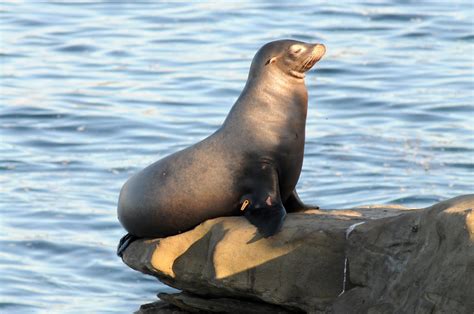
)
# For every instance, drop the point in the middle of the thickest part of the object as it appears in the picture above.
(302, 267)
(399, 261)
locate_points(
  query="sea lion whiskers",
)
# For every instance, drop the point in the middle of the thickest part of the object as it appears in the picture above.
(308, 64)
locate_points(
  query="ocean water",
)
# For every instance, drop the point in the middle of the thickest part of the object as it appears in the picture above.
(93, 91)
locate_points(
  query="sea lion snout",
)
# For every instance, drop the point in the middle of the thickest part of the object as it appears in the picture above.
(316, 54)
(312, 57)
(319, 50)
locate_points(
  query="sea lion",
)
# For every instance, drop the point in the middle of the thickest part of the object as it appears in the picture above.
(249, 166)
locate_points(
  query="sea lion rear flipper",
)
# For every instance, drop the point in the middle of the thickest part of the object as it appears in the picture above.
(125, 242)
(294, 204)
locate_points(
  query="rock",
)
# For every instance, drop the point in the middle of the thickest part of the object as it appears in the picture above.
(160, 307)
(300, 268)
(396, 261)
(197, 304)
(418, 262)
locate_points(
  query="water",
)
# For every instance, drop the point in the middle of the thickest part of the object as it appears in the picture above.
(91, 92)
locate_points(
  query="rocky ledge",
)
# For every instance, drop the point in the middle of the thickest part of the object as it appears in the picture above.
(364, 260)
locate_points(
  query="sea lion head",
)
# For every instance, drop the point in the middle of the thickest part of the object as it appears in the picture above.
(287, 57)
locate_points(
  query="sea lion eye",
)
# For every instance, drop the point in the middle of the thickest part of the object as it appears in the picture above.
(295, 49)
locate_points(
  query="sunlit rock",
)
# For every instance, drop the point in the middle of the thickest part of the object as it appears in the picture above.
(396, 261)
(302, 267)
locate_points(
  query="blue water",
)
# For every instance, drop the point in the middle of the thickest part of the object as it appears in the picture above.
(91, 92)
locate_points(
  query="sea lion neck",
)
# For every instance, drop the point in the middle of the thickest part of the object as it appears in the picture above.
(274, 84)
(269, 97)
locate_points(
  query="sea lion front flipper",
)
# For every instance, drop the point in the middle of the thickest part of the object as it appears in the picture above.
(268, 219)
(262, 206)
(294, 204)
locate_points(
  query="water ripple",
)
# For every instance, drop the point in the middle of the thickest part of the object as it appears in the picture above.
(93, 91)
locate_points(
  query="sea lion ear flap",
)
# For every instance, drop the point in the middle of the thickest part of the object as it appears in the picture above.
(271, 60)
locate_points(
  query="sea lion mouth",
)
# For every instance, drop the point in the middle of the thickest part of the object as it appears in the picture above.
(308, 64)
